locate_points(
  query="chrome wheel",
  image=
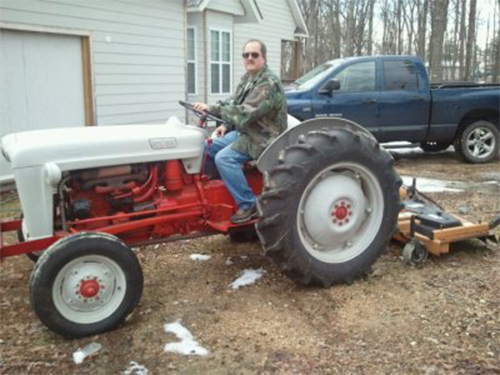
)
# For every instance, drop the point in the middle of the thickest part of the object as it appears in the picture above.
(481, 142)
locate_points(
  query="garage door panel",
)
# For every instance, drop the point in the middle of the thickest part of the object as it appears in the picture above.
(41, 77)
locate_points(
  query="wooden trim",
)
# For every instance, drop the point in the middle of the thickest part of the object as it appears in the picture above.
(87, 82)
(42, 29)
(296, 60)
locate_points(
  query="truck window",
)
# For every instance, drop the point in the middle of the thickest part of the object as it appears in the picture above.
(311, 78)
(400, 75)
(358, 77)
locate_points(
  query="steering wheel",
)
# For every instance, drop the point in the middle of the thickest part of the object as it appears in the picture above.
(204, 116)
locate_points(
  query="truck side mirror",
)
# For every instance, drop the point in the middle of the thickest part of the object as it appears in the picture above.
(330, 86)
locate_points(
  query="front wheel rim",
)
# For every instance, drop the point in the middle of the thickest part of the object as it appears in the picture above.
(480, 142)
(89, 289)
(340, 212)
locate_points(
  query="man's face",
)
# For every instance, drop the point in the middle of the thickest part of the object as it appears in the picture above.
(254, 60)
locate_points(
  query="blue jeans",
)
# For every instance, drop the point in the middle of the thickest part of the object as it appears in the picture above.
(229, 163)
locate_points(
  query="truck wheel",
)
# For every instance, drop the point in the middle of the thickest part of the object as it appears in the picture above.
(479, 142)
(329, 209)
(85, 284)
(431, 146)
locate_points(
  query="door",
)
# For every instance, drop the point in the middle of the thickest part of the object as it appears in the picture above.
(405, 102)
(41, 77)
(356, 97)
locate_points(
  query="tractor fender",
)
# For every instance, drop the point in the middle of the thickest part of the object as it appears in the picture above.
(269, 158)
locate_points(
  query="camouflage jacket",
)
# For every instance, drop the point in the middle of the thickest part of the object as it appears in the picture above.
(257, 110)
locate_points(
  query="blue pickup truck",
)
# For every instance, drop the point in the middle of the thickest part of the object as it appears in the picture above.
(391, 96)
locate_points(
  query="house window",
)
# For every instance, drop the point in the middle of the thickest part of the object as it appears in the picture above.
(220, 61)
(191, 61)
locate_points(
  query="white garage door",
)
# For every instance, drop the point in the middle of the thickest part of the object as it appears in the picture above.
(41, 83)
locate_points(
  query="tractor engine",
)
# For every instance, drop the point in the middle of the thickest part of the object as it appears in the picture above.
(141, 202)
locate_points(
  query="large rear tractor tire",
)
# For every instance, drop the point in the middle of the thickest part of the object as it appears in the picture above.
(85, 284)
(329, 209)
(479, 142)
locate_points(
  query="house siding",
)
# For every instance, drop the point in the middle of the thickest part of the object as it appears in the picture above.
(227, 6)
(137, 51)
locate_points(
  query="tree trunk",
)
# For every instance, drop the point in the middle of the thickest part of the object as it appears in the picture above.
(471, 36)
(495, 48)
(370, 28)
(461, 55)
(399, 18)
(422, 28)
(455, 41)
(439, 12)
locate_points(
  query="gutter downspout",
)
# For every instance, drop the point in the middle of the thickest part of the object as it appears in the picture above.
(186, 114)
(205, 57)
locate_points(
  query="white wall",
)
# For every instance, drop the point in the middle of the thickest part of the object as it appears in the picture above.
(137, 51)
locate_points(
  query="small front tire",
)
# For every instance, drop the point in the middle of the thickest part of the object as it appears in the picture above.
(85, 284)
(414, 253)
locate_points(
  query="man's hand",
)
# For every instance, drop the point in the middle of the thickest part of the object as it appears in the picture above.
(220, 131)
(199, 106)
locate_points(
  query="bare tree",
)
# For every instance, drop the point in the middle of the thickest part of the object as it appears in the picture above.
(423, 10)
(463, 33)
(495, 45)
(471, 28)
(439, 12)
(340, 28)
(369, 48)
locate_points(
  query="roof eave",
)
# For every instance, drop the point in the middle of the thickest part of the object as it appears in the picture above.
(301, 30)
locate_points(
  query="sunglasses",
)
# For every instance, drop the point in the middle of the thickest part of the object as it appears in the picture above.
(246, 55)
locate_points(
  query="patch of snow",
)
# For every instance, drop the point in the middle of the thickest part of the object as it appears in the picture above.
(135, 369)
(87, 351)
(229, 262)
(199, 257)
(187, 344)
(427, 185)
(247, 277)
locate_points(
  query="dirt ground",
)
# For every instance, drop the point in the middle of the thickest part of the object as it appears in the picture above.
(441, 318)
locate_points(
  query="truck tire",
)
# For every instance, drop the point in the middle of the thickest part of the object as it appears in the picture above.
(478, 142)
(329, 209)
(431, 146)
(85, 284)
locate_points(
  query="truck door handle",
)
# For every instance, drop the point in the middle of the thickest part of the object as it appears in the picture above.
(419, 98)
(369, 101)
